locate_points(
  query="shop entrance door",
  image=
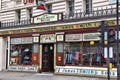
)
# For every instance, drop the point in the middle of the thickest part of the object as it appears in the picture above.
(48, 58)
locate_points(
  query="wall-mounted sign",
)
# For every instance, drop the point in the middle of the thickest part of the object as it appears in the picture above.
(27, 40)
(48, 38)
(23, 68)
(90, 36)
(60, 37)
(22, 40)
(36, 39)
(73, 37)
(16, 40)
(47, 18)
(55, 28)
(91, 71)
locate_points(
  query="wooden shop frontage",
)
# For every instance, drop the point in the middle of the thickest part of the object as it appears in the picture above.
(72, 49)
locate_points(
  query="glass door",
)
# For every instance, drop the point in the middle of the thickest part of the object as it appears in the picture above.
(48, 57)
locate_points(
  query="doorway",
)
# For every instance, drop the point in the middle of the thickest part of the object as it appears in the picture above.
(48, 58)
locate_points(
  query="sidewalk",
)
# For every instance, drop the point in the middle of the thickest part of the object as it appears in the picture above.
(41, 76)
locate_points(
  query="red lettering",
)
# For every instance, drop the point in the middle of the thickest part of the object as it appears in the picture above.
(28, 1)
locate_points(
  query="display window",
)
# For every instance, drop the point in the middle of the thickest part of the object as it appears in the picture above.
(72, 53)
(84, 54)
(22, 50)
(21, 54)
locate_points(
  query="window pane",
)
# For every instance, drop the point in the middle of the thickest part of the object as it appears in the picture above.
(60, 47)
(30, 13)
(72, 53)
(88, 5)
(71, 8)
(49, 8)
(35, 48)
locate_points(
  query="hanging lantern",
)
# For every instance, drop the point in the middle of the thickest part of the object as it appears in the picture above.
(92, 42)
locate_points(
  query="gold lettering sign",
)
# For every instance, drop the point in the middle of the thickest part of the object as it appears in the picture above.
(89, 25)
(55, 28)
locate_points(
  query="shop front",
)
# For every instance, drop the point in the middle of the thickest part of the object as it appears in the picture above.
(32, 53)
(65, 49)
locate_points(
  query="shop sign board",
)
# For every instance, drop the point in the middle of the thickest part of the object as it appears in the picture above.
(16, 40)
(22, 40)
(46, 18)
(23, 68)
(55, 28)
(27, 40)
(36, 39)
(60, 37)
(91, 36)
(85, 71)
(73, 37)
(48, 38)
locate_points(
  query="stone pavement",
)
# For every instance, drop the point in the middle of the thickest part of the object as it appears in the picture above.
(41, 76)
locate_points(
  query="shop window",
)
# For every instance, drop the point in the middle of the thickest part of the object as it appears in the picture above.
(93, 55)
(23, 51)
(21, 54)
(84, 54)
(72, 53)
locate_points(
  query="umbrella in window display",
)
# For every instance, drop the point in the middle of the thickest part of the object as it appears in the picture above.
(26, 50)
(14, 53)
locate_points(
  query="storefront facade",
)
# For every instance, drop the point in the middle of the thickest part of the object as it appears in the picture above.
(64, 49)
